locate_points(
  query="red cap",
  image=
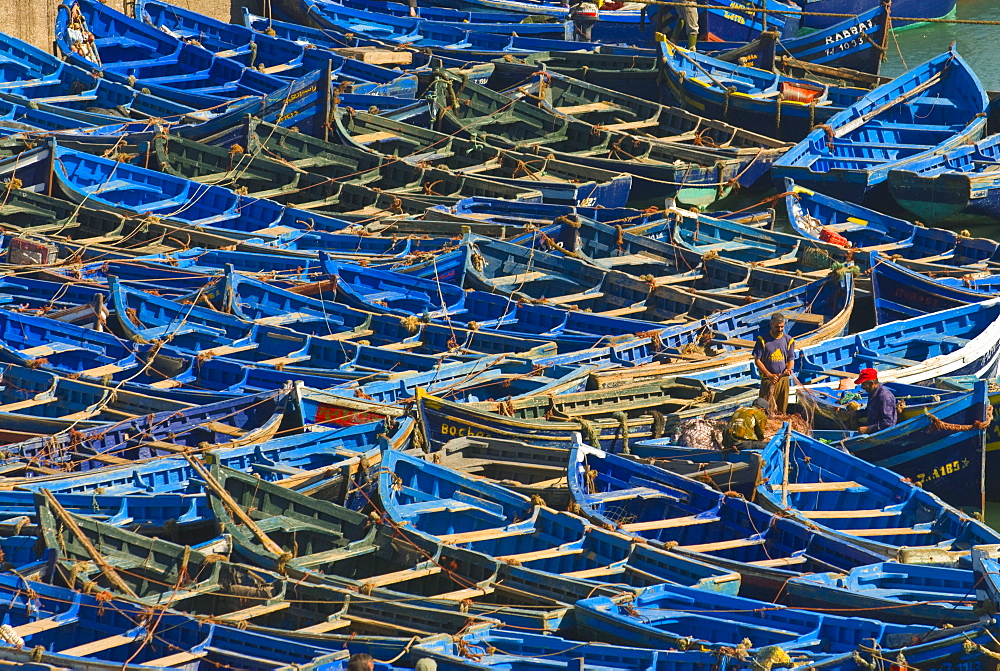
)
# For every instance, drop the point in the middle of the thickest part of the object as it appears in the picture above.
(867, 374)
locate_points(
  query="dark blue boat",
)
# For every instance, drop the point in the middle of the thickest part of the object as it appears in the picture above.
(668, 616)
(904, 593)
(760, 101)
(933, 108)
(954, 186)
(233, 422)
(698, 521)
(273, 55)
(92, 35)
(902, 293)
(852, 494)
(856, 43)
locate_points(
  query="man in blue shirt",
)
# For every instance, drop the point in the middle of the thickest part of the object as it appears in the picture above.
(881, 410)
(774, 355)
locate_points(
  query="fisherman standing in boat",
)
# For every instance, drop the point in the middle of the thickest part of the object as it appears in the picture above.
(746, 427)
(774, 355)
(688, 12)
(880, 413)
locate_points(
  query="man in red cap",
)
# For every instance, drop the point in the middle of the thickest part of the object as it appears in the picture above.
(881, 410)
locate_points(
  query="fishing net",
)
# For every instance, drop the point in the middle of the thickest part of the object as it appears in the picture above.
(700, 433)
(833, 410)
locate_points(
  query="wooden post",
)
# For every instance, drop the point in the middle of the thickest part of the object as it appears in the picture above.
(784, 479)
(106, 568)
(234, 507)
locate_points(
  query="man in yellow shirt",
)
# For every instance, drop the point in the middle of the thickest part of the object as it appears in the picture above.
(745, 429)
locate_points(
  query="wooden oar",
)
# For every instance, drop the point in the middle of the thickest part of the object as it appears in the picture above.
(106, 568)
(234, 507)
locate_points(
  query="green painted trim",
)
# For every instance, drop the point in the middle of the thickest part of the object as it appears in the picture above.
(921, 24)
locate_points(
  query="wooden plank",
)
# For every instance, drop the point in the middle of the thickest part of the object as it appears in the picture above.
(165, 384)
(816, 486)
(37, 626)
(630, 125)
(282, 360)
(365, 138)
(462, 594)
(472, 536)
(398, 346)
(29, 403)
(573, 298)
(401, 576)
(780, 561)
(806, 317)
(223, 350)
(599, 106)
(278, 320)
(541, 554)
(667, 524)
(175, 659)
(100, 371)
(675, 279)
(846, 514)
(595, 572)
(324, 627)
(723, 545)
(891, 531)
(518, 279)
(254, 611)
(88, 649)
(621, 312)
(346, 335)
(167, 447)
(224, 429)
(376, 56)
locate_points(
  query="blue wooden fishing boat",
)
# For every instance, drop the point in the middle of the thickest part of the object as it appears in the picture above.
(121, 187)
(272, 54)
(849, 496)
(362, 287)
(856, 42)
(696, 520)
(667, 616)
(340, 19)
(34, 401)
(240, 421)
(492, 649)
(320, 463)
(934, 250)
(69, 629)
(932, 108)
(957, 185)
(36, 342)
(904, 593)
(315, 605)
(811, 213)
(506, 525)
(92, 35)
(916, 350)
(902, 293)
(760, 101)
